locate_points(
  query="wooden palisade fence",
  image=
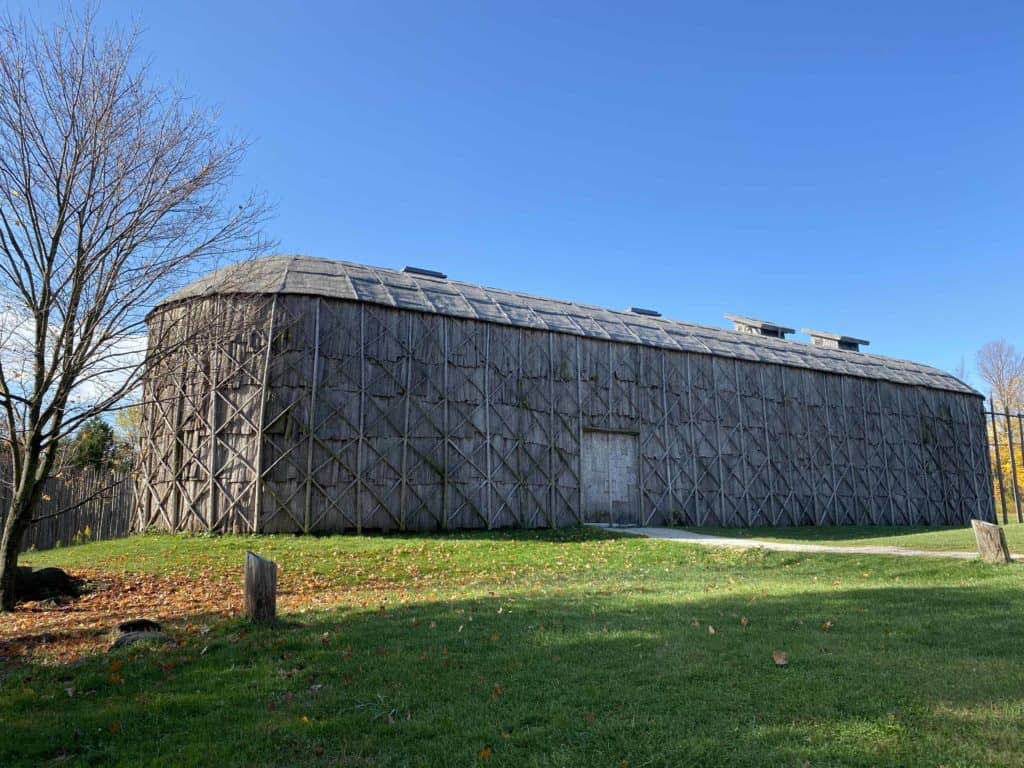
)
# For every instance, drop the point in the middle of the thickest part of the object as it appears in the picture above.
(78, 505)
(1006, 455)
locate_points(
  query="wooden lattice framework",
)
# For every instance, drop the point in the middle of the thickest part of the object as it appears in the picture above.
(300, 413)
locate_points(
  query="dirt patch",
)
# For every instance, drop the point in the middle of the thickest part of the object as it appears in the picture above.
(51, 632)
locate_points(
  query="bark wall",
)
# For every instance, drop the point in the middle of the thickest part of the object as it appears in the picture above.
(292, 413)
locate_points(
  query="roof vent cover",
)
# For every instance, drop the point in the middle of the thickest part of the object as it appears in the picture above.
(759, 327)
(827, 340)
(644, 312)
(425, 272)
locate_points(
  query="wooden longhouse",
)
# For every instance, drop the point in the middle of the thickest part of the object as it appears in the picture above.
(309, 395)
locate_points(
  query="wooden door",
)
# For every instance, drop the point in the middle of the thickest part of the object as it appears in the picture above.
(610, 478)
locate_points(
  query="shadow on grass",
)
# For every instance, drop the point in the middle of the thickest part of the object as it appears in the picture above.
(902, 676)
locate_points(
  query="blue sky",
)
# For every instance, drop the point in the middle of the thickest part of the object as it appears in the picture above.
(854, 167)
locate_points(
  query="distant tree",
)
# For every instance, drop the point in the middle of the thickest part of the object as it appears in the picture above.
(113, 191)
(93, 446)
(128, 426)
(1001, 367)
(961, 371)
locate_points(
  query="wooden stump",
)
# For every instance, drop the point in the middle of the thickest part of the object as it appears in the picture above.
(991, 542)
(260, 588)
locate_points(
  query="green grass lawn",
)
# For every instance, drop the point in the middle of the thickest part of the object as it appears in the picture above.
(573, 648)
(955, 539)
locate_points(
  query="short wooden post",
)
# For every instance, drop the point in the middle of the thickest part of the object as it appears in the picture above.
(991, 542)
(260, 588)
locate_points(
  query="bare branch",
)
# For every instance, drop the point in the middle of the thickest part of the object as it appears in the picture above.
(113, 191)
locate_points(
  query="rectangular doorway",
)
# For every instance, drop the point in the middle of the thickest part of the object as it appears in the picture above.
(610, 478)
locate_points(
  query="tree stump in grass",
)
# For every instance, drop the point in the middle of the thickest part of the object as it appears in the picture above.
(991, 542)
(260, 588)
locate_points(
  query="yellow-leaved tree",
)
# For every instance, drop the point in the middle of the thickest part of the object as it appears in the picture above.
(1001, 367)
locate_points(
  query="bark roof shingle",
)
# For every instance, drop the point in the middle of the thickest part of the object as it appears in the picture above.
(310, 276)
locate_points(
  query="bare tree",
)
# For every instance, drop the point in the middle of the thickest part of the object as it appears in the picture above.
(961, 371)
(113, 190)
(1002, 368)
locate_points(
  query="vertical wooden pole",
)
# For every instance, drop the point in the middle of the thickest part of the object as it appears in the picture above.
(672, 501)
(744, 468)
(260, 437)
(885, 456)
(177, 483)
(718, 445)
(903, 445)
(488, 489)
(999, 462)
(767, 448)
(812, 459)
(307, 519)
(844, 409)
(640, 441)
(831, 450)
(211, 466)
(360, 446)
(551, 431)
(403, 499)
(611, 383)
(579, 432)
(787, 438)
(971, 424)
(519, 492)
(937, 458)
(446, 437)
(1013, 466)
(697, 499)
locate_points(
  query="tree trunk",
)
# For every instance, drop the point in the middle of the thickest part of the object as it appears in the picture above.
(36, 465)
(19, 517)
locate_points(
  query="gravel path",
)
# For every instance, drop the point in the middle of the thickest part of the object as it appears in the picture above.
(703, 539)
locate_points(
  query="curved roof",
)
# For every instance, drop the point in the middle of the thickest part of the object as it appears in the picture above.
(424, 293)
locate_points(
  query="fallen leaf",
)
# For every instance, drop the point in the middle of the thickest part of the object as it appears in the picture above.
(115, 727)
(711, 630)
(744, 621)
(485, 753)
(781, 658)
(827, 625)
(496, 692)
(116, 666)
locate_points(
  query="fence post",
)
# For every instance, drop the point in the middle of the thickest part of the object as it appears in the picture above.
(1013, 467)
(998, 468)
